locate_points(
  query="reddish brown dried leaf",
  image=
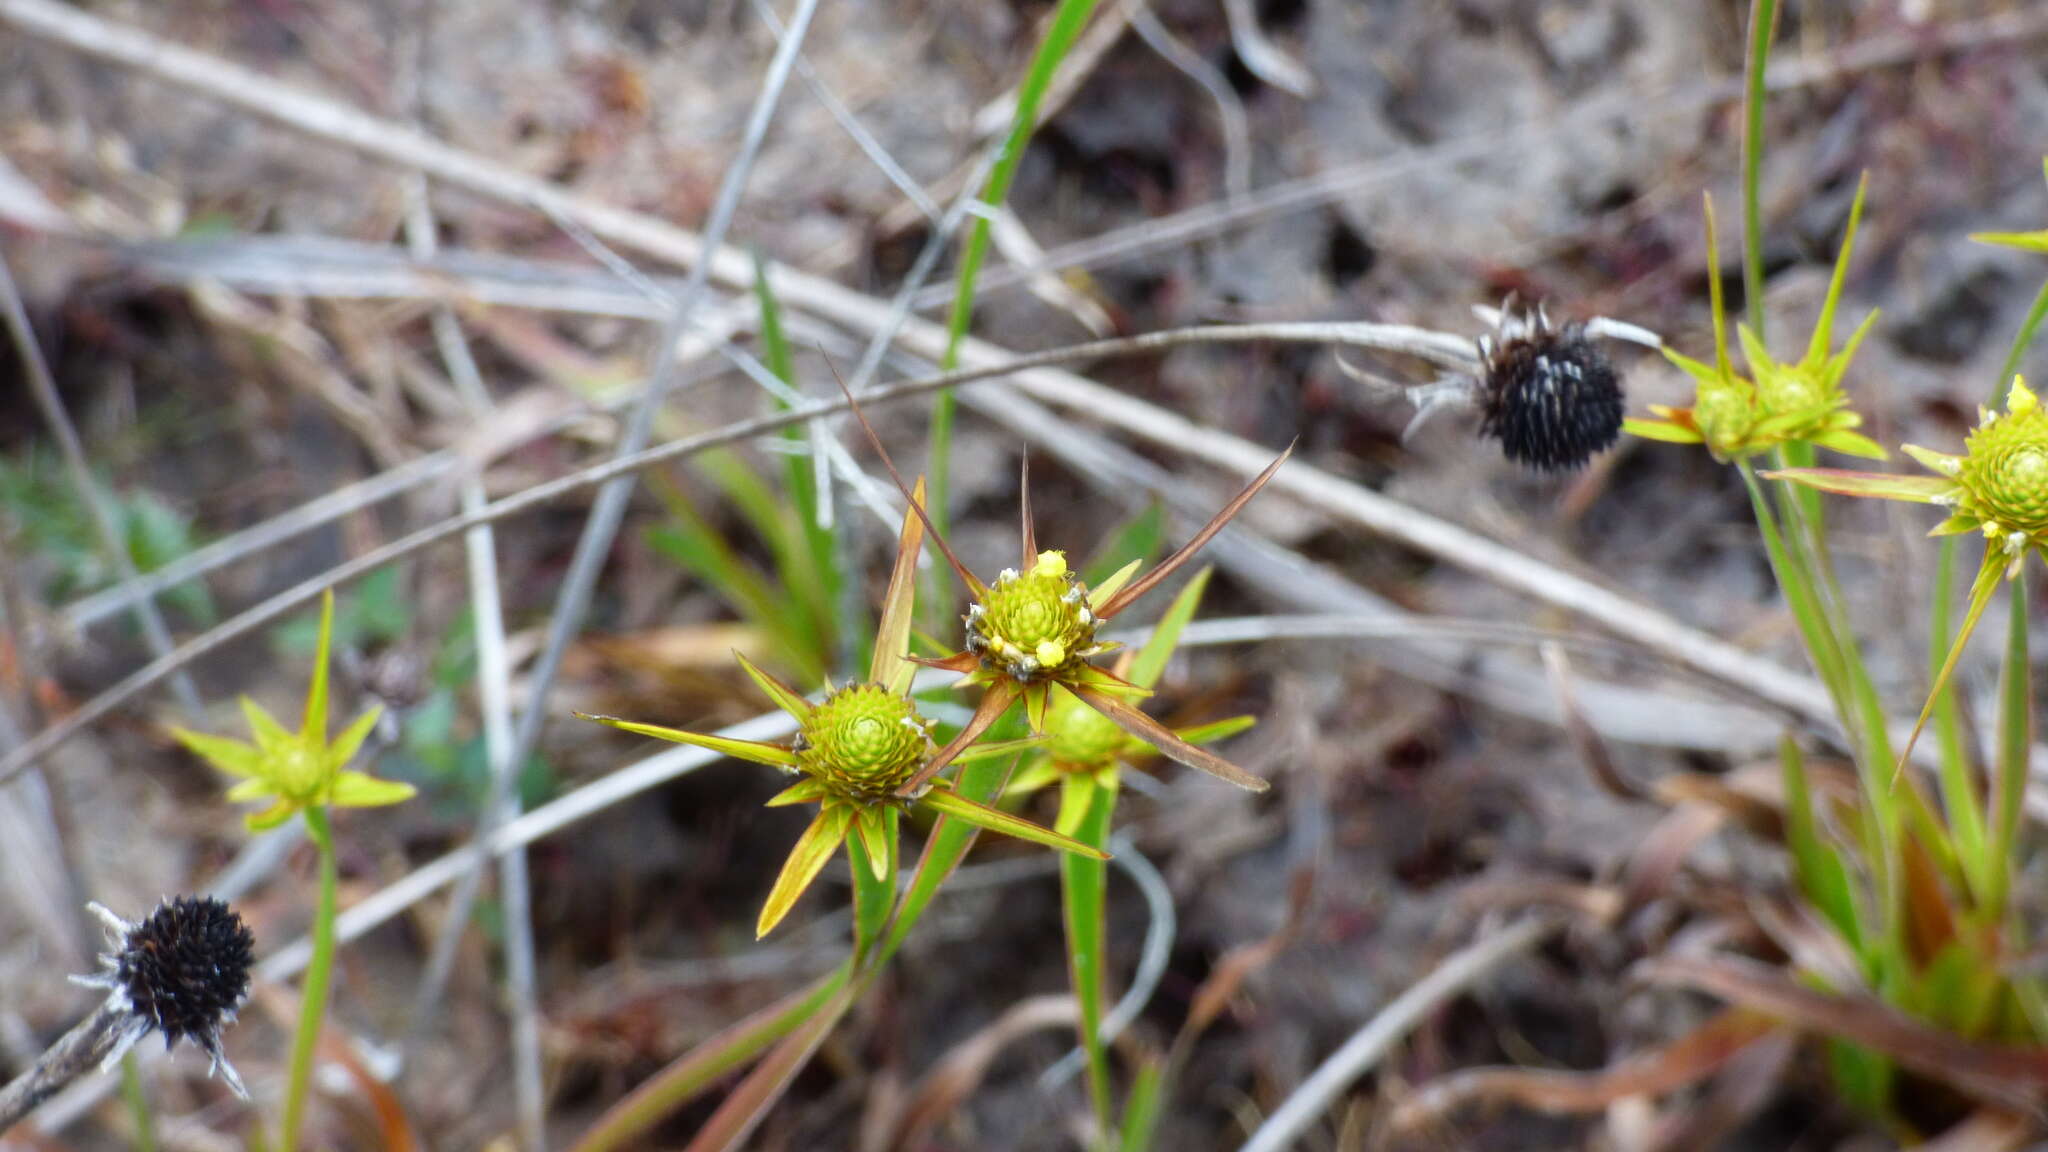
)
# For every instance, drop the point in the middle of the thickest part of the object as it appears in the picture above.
(1993, 1072)
(1696, 1055)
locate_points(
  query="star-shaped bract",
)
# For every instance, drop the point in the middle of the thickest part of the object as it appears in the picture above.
(1034, 627)
(1084, 749)
(1778, 403)
(1998, 486)
(860, 749)
(298, 770)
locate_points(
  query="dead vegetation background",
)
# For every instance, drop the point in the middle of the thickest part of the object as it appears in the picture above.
(1436, 156)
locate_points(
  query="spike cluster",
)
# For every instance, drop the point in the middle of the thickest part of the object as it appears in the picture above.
(1036, 624)
(1547, 393)
(183, 971)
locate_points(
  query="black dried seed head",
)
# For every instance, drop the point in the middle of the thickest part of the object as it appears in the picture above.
(186, 968)
(1550, 396)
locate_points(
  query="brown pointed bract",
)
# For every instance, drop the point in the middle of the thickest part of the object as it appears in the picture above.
(1150, 580)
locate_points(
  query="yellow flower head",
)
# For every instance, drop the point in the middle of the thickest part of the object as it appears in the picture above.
(860, 751)
(1036, 624)
(1998, 486)
(1777, 403)
(297, 770)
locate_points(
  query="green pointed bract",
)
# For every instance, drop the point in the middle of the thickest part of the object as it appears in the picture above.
(1777, 403)
(297, 770)
(786, 698)
(1878, 485)
(753, 750)
(947, 802)
(806, 860)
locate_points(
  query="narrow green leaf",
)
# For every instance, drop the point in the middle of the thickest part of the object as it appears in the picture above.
(1960, 801)
(356, 790)
(233, 757)
(1822, 875)
(1067, 22)
(1216, 730)
(747, 1105)
(1100, 594)
(1141, 1107)
(805, 791)
(891, 666)
(1151, 660)
(946, 802)
(1823, 329)
(753, 750)
(872, 857)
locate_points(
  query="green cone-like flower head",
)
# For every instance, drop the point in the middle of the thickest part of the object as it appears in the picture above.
(1033, 625)
(2003, 476)
(863, 741)
(1079, 737)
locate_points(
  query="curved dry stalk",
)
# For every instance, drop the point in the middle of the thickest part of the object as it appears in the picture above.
(1344, 1066)
(77, 1052)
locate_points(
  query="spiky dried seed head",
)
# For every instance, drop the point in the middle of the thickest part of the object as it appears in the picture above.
(185, 968)
(864, 742)
(1035, 624)
(1549, 395)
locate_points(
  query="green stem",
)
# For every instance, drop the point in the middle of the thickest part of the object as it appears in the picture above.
(1085, 811)
(138, 1104)
(1067, 23)
(1881, 831)
(319, 970)
(2025, 337)
(1959, 793)
(1763, 21)
(2015, 744)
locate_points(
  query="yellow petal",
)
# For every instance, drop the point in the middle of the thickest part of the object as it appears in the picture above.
(270, 817)
(233, 757)
(356, 790)
(350, 741)
(268, 732)
(251, 790)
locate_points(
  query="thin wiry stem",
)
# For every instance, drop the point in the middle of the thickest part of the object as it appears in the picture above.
(609, 509)
(98, 505)
(1451, 978)
(1230, 116)
(1359, 505)
(849, 123)
(1161, 926)
(494, 692)
(1634, 97)
(87, 611)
